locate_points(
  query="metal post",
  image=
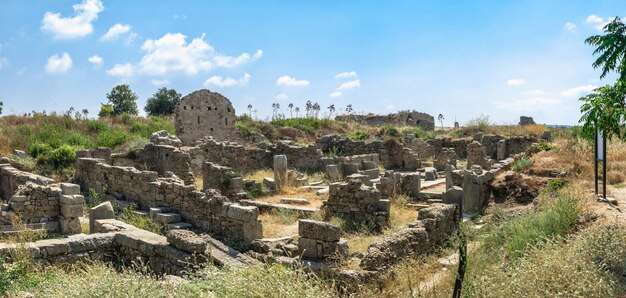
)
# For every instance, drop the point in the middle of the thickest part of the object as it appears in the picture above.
(595, 159)
(458, 284)
(604, 166)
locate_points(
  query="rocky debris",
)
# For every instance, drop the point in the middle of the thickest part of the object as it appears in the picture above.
(19, 153)
(187, 241)
(514, 186)
(318, 230)
(163, 137)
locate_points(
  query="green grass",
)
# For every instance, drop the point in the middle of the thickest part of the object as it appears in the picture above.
(129, 216)
(522, 164)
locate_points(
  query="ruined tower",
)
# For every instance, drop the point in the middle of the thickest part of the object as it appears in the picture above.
(205, 113)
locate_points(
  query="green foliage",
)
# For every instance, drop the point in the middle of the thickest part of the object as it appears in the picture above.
(106, 110)
(129, 216)
(96, 126)
(359, 135)
(38, 149)
(606, 110)
(481, 122)
(123, 100)
(553, 219)
(308, 124)
(19, 275)
(332, 152)
(522, 163)
(163, 102)
(256, 190)
(418, 132)
(112, 138)
(556, 184)
(1, 106)
(155, 124)
(545, 146)
(57, 158)
(611, 47)
(389, 130)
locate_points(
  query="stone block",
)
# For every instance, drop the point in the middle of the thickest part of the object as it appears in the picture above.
(70, 189)
(332, 173)
(430, 174)
(350, 168)
(102, 211)
(501, 150)
(317, 249)
(454, 195)
(72, 210)
(318, 230)
(70, 225)
(371, 173)
(269, 183)
(369, 165)
(71, 200)
(167, 218)
(280, 170)
(243, 213)
(187, 241)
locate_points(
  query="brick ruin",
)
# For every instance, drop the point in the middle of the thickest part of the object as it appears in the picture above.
(204, 113)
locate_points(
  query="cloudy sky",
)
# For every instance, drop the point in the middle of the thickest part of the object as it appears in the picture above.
(459, 58)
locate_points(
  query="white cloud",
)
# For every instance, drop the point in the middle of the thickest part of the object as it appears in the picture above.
(95, 60)
(121, 70)
(578, 90)
(3, 62)
(180, 17)
(73, 27)
(230, 61)
(569, 26)
(347, 74)
(218, 81)
(282, 96)
(335, 94)
(350, 85)
(390, 107)
(59, 64)
(515, 82)
(115, 31)
(597, 21)
(131, 37)
(290, 81)
(159, 83)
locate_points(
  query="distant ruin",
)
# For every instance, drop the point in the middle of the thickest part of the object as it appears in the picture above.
(402, 118)
(204, 113)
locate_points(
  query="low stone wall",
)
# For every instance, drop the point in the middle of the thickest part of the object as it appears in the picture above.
(344, 146)
(434, 226)
(209, 210)
(11, 178)
(238, 157)
(357, 202)
(114, 241)
(320, 240)
(306, 158)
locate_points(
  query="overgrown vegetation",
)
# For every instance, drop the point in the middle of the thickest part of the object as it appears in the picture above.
(522, 163)
(130, 216)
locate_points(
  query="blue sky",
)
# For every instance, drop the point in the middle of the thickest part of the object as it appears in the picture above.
(459, 58)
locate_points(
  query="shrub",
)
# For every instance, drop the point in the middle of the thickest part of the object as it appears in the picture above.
(614, 177)
(360, 135)
(556, 184)
(112, 138)
(545, 146)
(38, 149)
(522, 164)
(106, 110)
(96, 126)
(62, 157)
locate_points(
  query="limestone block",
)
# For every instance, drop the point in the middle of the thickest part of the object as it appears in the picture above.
(501, 150)
(350, 168)
(371, 173)
(187, 241)
(317, 249)
(71, 200)
(269, 183)
(72, 210)
(70, 189)
(318, 230)
(454, 195)
(332, 173)
(280, 170)
(102, 211)
(368, 165)
(252, 230)
(243, 213)
(430, 174)
(70, 225)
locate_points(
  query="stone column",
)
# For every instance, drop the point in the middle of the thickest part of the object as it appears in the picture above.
(449, 179)
(280, 170)
(501, 150)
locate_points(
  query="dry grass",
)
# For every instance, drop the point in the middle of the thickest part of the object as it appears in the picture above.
(259, 175)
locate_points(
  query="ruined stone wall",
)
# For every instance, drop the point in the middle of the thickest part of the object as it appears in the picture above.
(434, 226)
(344, 146)
(164, 158)
(302, 157)
(205, 113)
(238, 157)
(209, 210)
(403, 118)
(357, 202)
(11, 178)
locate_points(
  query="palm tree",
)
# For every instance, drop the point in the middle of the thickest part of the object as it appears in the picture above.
(440, 118)
(250, 110)
(331, 110)
(611, 47)
(297, 112)
(349, 109)
(290, 110)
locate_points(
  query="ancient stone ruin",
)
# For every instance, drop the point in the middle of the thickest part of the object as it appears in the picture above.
(204, 113)
(403, 118)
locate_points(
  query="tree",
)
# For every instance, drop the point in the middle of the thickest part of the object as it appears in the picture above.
(612, 48)
(250, 110)
(290, 106)
(105, 110)
(123, 100)
(1, 106)
(440, 118)
(163, 102)
(606, 110)
(331, 110)
(297, 112)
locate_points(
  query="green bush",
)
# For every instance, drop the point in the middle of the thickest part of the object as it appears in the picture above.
(62, 157)
(96, 126)
(308, 125)
(522, 164)
(112, 138)
(37, 149)
(359, 135)
(545, 146)
(556, 184)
